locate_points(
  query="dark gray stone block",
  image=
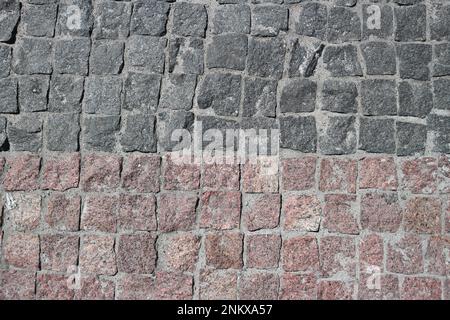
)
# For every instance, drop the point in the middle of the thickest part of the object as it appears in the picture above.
(439, 128)
(106, 57)
(5, 61)
(266, 57)
(32, 56)
(339, 96)
(441, 94)
(139, 133)
(344, 25)
(268, 20)
(337, 135)
(414, 61)
(10, 13)
(298, 133)
(411, 23)
(380, 58)
(8, 96)
(298, 96)
(260, 97)
(63, 130)
(99, 133)
(178, 91)
(415, 99)
(232, 19)
(227, 51)
(189, 19)
(33, 92)
(312, 20)
(75, 18)
(38, 20)
(72, 56)
(25, 133)
(186, 55)
(146, 54)
(379, 97)
(103, 95)
(168, 123)
(141, 92)
(377, 135)
(342, 61)
(112, 20)
(66, 93)
(149, 18)
(412, 138)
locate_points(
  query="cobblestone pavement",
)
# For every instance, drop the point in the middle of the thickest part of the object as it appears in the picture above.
(354, 205)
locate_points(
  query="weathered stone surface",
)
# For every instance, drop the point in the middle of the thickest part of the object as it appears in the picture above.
(74, 18)
(63, 131)
(414, 61)
(139, 133)
(99, 133)
(411, 137)
(411, 23)
(261, 211)
(178, 91)
(263, 251)
(21, 250)
(298, 133)
(340, 214)
(377, 135)
(25, 133)
(97, 254)
(342, 61)
(5, 60)
(72, 56)
(66, 93)
(169, 124)
(38, 20)
(8, 96)
(141, 173)
(379, 97)
(220, 92)
(343, 25)
(149, 18)
(441, 94)
(137, 213)
(438, 25)
(339, 96)
(141, 92)
(145, 54)
(61, 173)
(265, 57)
(23, 173)
(189, 19)
(302, 213)
(269, 20)
(258, 286)
(380, 212)
(63, 212)
(380, 58)
(300, 253)
(178, 252)
(298, 96)
(177, 212)
(106, 57)
(338, 175)
(231, 19)
(136, 253)
(220, 210)
(227, 51)
(441, 60)
(337, 256)
(337, 135)
(423, 215)
(224, 250)
(186, 55)
(404, 255)
(378, 173)
(100, 214)
(10, 12)
(372, 29)
(58, 252)
(25, 216)
(298, 173)
(112, 21)
(439, 129)
(312, 20)
(415, 99)
(33, 92)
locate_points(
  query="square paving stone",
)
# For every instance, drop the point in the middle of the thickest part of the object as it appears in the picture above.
(412, 138)
(231, 19)
(344, 25)
(298, 133)
(99, 133)
(106, 57)
(103, 95)
(25, 133)
(311, 20)
(38, 20)
(268, 21)
(32, 56)
(149, 18)
(415, 99)
(189, 19)
(339, 96)
(139, 133)
(371, 28)
(439, 128)
(260, 97)
(377, 135)
(338, 135)
(63, 130)
(221, 92)
(186, 55)
(414, 60)
(411, 23)
(146, 54)
(379, 97)
(298, 96)
(33, 93)
(5, 60)
(66, 93)
(380, 58)
(112, 20)
(10, 13)
(441, 94)
(266, 57)
(440, 28)
(141, 92)
(168, 123)
(441, 60)
(227, 51)
(72, 56)
(342, 61)
(178, 91)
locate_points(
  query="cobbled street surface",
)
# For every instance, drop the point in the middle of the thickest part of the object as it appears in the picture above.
(355, 203)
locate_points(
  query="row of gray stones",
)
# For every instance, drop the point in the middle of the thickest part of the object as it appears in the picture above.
(109, 19)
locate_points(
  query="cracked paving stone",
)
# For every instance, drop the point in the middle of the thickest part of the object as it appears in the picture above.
(9, 13)
(25, 133)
